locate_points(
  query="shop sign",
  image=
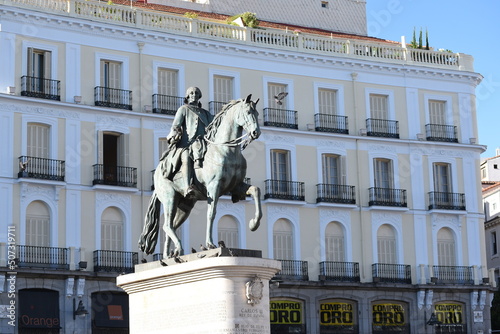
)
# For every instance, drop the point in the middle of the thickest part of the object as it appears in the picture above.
(388, 314)
(336, 314)
(449, 313)
(286, 312)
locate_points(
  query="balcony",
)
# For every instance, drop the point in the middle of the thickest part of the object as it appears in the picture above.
(391, 273)
(42, 257)
(331, 123)
(113, 98)
(335, 193)
(41, 168)
(446, 201)
(387, 197)
(438, 132)
(214, 107)
(280, 118)
(287, 190)
(166, 104)
(292, 270)
(453, 275)
(115, 176)
(339, 271)
(382, 128)
(41, 88)
(115, 261)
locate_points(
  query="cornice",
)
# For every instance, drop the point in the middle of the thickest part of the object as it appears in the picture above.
(106, 30)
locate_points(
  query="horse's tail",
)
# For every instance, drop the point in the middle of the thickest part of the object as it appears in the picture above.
(149, 235)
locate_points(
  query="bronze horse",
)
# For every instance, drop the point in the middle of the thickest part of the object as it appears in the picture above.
(223, 171)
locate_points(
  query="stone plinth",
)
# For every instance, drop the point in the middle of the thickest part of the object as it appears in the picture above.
(207, 293)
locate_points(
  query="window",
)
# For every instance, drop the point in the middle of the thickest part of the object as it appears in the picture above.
(495, 166)
(110, 74)
(273, 90)
(442, 178)
(437, 112)
(379, 106)
(228, 231)
(494, 249)
(282, 240)
(168, 81)
(494, 206)
(333, 169)
(324, 4)
(280, 165)
(223, 88)
(112, 230)
(386, 245)
(327, 101)
(383, 173)
(483, 173)
(38, 140)
(334, 243)
(38, 224)
(39, 64)
(446, 248)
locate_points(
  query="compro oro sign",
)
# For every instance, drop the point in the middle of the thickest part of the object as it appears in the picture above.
(337, 313)
(389, 314)
(286, 312)
(449, 313)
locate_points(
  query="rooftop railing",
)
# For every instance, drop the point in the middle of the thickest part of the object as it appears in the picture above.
(270, 38)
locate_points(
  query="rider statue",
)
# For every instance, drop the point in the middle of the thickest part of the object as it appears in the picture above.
(186, 144)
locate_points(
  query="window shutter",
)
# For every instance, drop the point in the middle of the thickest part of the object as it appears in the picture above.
(47, 59)
(437, 113)
(31, 69)
(343, 169)
(100, 147)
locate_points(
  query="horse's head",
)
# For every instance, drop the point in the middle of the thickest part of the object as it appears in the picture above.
(247, 117)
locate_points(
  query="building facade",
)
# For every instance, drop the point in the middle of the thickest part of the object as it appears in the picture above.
(369, 167)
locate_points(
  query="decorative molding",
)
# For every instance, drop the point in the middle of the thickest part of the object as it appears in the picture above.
(275, 212)
(428, 299)
(334, 214)
(474, 299)
(394, 218)
(162, 126)
(278, 139)
(70, 285)
(80, 288)
(40, 111)
(49, 192)
(381, 148)
(436, 152)
(105, 199)
(420, 299)
(439, 219)
(330, 143)
(111, 120)
(482, 299)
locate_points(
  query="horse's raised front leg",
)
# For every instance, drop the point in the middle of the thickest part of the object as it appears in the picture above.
(255, 222)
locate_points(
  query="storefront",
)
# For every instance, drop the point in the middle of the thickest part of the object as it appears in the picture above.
(287, 316)
(110, 313)
(338, 317)
(390, 316)
(39, 311)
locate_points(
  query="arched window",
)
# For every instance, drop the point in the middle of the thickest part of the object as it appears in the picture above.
(283, 240)
(228, 231)
(446, 248)
(112, 229)
(38, 224)
(334, 243)
(386, 245)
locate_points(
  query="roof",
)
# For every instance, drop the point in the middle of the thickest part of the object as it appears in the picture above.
(262, 24)
(488, 186)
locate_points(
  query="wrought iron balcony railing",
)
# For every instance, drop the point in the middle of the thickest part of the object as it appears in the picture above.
(391, 273)
(382, 128)
(335, 193)
(387, 197)
(166, 104)
(287, 190)
(280, 118)
(446, 201)
(41, 168)
(115, 175)
(293, 270)
(214, 107)
(113, 98)
(42, 257)
(331, 123)
(40, 87)
(339, 271)
(453, 275)
(115, 261)
(438, 132)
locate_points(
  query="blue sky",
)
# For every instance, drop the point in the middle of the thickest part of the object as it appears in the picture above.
(464, 26)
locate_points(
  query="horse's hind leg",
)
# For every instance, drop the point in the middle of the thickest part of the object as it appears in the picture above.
(169, 211)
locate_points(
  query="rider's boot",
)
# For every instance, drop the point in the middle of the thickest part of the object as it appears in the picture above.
(186, 176)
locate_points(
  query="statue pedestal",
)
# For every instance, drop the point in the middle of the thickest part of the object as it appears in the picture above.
(219, 294)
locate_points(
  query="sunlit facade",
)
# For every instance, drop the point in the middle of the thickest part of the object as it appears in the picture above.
(368, 168)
